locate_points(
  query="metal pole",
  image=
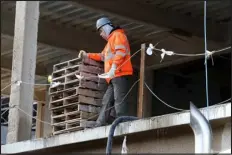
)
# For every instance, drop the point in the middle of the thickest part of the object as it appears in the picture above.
(202, 130)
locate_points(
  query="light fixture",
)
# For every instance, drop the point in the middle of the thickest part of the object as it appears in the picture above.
(149, 51)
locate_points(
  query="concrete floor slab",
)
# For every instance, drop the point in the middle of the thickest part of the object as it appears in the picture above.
(176, 119)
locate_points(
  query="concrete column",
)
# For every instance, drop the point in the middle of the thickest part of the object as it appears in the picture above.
(23, 69)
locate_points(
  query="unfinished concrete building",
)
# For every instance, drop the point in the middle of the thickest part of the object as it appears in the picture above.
(39, 34)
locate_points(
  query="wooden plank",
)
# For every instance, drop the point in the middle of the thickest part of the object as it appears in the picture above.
(39, 124)
(60, 66)
(91, 69)
(84, 100)
(89, 61)
(56, 89)
(67, 124)
(72, 127)
(140, 110)
(82, 107)
(79, 91)
(40, 114)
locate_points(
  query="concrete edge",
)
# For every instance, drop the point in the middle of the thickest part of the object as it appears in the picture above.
(226, 152)
(164, 121)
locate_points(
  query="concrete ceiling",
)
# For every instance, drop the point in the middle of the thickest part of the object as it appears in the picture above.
(65, 18)
(46, 57)
(185, 16)
(6, 80)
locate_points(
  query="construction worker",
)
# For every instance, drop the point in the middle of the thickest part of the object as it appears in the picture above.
(117, 67)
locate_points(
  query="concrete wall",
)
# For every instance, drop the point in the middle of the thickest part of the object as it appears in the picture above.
(178, 139)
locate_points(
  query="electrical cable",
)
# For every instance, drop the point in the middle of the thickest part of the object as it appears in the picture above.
(114, 105)
(162, 100)
(50, 84)
(41, 84)
(124, 96)
(187, 55)
(37, 84)
(129, 58)
(206, 67)
(120, 102)
(195, 55)
(172, 106)
(7, 86)
(82, 120)
(33, 116)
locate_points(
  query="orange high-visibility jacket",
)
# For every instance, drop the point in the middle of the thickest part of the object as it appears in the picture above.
(117, 51)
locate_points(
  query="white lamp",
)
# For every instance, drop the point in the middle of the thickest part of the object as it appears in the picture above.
(149, 51)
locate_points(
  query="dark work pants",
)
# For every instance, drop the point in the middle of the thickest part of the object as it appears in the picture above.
(114, 96)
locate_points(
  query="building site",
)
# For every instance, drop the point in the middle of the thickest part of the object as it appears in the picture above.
(116, 76)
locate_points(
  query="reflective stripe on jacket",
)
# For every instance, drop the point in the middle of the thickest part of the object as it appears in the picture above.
(117, 51)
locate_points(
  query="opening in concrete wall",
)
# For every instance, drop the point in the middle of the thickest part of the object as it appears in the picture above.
(180, 84)
(4, 118)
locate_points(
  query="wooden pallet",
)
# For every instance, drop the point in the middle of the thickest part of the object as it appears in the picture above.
(74, 107)
(71, 115)
(72, 126)
(72, 76)
(77, 61)
(76, 91)
(81, 83)
(68, 66)
(74, 100)
(92, 62)
(78, 68)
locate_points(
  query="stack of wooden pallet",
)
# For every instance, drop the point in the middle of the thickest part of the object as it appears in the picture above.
(75, 102)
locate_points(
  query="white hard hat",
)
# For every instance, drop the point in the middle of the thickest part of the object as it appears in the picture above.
(101, 22)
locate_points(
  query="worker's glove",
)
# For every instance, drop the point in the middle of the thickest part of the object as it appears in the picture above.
(50, 79)
(82, 54)
(109, 74)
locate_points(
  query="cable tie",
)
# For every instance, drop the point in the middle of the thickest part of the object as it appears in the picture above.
(164, 52)
(209, 54)
(55, 84)
(79, 77)
(151, 46)
(18, 83)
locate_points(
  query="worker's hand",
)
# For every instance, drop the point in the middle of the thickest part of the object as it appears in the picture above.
(109, 74)
(82, 54)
